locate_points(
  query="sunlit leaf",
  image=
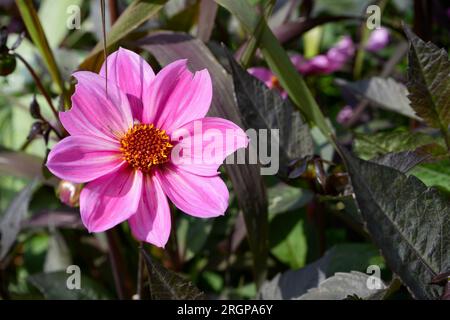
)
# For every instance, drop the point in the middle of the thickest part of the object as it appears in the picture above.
(368, 146)
(341, 258)
(342, 285)
(34, 27)
(136, 13)
(385, 93)
(435, 174)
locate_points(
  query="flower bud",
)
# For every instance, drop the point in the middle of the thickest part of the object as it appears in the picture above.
(7, 63)
(35, 109)
(69, 193)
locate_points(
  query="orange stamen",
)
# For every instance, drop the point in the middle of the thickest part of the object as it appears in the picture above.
(145, 146)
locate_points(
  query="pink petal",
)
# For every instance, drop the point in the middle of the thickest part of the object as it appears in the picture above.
(151, 222)
(95, 113)
(110, 199)
(378, 39)
(204, 144)
(83, 158)
(202, 197)
(263, 74)
(319, 64)
(132, 74)
(176, 96)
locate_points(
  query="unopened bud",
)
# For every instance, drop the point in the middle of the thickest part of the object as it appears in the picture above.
(35, 109)
(69, 193)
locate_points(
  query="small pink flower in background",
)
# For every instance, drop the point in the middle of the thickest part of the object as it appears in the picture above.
(330, 62)
(120, 144)
(344, 115)
(378, 39)
(333, 60)
(269, 78)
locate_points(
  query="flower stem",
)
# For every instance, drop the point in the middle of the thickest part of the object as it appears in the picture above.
(38, 84)
(140, 275)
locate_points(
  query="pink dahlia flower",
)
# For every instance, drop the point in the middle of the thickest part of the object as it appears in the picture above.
(378, 39)
(122, 144)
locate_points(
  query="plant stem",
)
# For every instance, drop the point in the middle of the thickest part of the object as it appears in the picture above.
(38, 84)
(140, 275)
(44, 93)
(37, 34)
(253, 42)
(121, 280)
(102, 9)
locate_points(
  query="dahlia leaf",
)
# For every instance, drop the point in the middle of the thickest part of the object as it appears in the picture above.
(407, 221)
(429, 81)
(262, 108)
(386, 93)
(168, 285)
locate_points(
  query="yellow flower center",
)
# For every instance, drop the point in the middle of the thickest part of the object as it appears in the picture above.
(144, 146)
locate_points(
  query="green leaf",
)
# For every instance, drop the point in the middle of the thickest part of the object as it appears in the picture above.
(283, 198)
(342, 285)
(262, 108)
(185, 19)
(341, 7)
(36, 32)
(11, 219)
(279, 62)
(429, 81)
(134, 15)
(436, 174)
(386, 93)
(54, 15)
(288, 238)
(407, 221)
(58, 254)
(168, 285)
(192, 234)
(368, 146)
(246, 179)
(53, 286)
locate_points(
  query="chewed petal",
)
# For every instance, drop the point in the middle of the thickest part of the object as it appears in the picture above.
(110, 199)
(176, 96)
(151, 222)
(204, 144)
(132, 74)
(95, 111)
(83, 158)
(202, 197)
